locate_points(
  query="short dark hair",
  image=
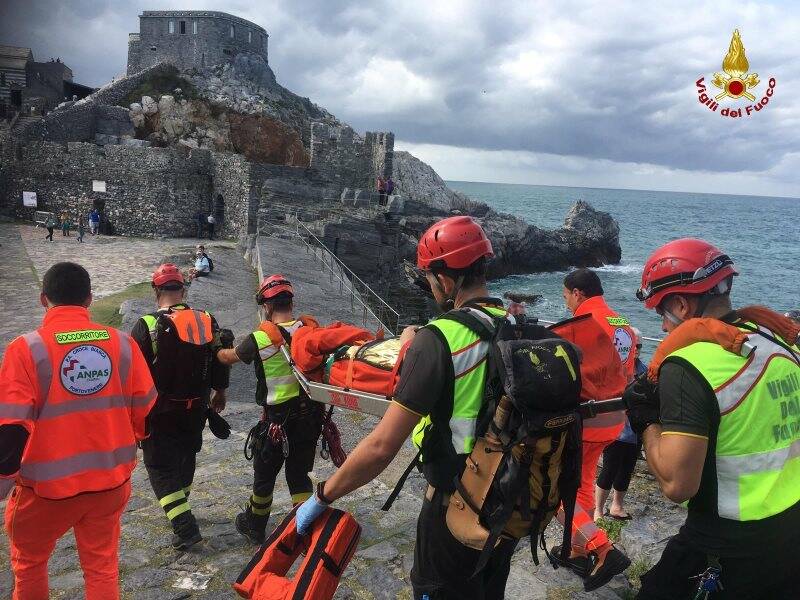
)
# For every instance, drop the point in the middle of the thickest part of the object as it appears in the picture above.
(586, 281)
(474, 274)
(67, 283)
(282, 301)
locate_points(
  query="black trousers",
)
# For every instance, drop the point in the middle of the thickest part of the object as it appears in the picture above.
(619, 460)
(170, 455)
(301, 419)
(443, 566)
(49, 234)
(770, 575)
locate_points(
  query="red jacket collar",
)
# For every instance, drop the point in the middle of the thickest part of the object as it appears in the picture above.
(65, 314)
(595, 303)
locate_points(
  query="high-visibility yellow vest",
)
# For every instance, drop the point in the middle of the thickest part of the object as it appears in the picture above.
(468, 353)
(282, 386)
(758, 442)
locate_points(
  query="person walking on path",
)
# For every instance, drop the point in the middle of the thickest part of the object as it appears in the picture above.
(66, 224)
(290, 420)
(718, 415)
(74, 396)
(94, 221)
(619, 460)
(212, 221)
(593, 554)
(50, 224)
(81, 228)
(180, 344)
(452, 254)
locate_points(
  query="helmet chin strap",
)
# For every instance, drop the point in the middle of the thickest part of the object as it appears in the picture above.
(449, 302)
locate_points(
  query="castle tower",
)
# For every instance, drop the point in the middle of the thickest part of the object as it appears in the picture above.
(192, 39)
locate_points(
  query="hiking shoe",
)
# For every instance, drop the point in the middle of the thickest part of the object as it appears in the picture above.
(184, 543)
(246, 527)
(604, 568)
(579, 565)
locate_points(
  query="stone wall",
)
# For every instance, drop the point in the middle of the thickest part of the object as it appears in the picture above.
(149, 191)
(233, 194)
(77, 121)
(347, 159)
(192, 39)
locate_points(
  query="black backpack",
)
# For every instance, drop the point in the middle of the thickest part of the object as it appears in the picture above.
(183, 355)
(527, 463)
(210, 262)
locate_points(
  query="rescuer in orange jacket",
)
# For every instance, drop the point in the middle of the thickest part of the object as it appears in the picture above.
(73, 400)
(593, 553)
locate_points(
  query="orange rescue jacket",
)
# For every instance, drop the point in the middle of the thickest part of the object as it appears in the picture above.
(82, 390)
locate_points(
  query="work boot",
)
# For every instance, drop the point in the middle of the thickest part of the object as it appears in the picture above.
(184, 543)
(577, 563)
(606, 562)
(251, 526)
(187, 533)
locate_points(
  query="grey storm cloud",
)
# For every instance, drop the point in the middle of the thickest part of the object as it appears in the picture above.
(612, 81)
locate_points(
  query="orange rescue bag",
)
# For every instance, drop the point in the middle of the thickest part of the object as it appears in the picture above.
(329, 548)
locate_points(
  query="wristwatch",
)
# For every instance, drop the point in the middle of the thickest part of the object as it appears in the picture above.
(321, 494)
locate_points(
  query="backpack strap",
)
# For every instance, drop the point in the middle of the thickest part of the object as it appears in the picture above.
(402, 481)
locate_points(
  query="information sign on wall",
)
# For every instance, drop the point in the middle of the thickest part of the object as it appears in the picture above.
(98, 186)
(29, 199)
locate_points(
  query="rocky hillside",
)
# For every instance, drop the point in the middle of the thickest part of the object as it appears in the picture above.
(418, 181)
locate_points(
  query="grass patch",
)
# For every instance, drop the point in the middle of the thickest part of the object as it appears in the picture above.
(638, 568)
(106, 310)
(613, 527)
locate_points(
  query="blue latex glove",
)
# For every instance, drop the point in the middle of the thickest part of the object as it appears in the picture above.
(309, 512)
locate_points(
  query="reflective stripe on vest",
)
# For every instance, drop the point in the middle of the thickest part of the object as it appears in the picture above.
(758, 442)
(468, 354)
(282, 386)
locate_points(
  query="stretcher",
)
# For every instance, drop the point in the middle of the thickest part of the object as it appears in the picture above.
(374, 404)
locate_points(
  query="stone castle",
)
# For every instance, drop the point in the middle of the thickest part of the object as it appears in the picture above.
(192, 39)
(90, 154)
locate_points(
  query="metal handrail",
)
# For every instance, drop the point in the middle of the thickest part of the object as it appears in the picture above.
(345, 276)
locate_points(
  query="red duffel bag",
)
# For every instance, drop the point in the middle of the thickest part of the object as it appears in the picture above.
(329, 547)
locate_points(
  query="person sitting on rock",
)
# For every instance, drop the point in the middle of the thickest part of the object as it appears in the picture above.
(290, 422)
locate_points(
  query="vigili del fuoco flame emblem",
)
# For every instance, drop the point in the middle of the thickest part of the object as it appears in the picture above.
(735, 81)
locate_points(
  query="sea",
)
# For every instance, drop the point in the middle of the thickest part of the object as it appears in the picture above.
(761, 235)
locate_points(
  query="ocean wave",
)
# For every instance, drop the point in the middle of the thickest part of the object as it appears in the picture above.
(618, 269)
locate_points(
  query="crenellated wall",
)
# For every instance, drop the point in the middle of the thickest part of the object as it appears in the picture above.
(347, 159)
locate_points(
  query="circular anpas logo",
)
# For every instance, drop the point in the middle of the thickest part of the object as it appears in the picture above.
(85, 370)
(623, 342)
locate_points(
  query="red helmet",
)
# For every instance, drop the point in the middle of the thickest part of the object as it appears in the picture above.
(272, 286)
(166, 274)
(454, 243)
(685, 266)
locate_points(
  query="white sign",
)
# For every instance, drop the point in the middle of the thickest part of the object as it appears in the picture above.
(29, 199)
(98, 186)
(623, 342)
(85, 370)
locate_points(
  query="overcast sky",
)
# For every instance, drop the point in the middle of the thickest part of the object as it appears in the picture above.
(597, 94)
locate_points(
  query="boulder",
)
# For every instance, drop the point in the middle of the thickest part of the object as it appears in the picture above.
(149, 106)
(266, 140)
(135, 108)
(165, 103)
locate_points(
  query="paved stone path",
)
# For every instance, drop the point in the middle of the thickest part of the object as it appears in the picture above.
(150, 568)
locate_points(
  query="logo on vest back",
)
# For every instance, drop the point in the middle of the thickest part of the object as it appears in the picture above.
(85, 370)
(623, 342)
